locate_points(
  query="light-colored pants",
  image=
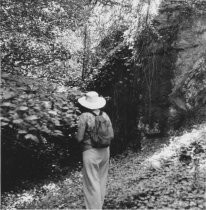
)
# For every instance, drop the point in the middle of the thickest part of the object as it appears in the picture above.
(95, 170)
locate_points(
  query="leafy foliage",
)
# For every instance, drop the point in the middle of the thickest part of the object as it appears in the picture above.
(138, 79)
(114, 80)
(138, 68)
(36, 121)
(132, 182)
(174, 185)
(130, 58)
(32, 108)
(31, 36)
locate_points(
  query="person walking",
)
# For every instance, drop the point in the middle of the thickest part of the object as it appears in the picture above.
(94, 133)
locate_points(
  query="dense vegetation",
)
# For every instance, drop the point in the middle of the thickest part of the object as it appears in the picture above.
(38, 126)
(140, 77)
(140, 55)
(166, 174)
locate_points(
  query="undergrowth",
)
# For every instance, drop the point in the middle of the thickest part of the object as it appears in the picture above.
(166, 174)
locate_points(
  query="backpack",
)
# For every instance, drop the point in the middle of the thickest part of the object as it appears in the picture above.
(102, 133)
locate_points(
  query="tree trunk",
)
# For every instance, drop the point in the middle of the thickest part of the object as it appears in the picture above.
(84, 63)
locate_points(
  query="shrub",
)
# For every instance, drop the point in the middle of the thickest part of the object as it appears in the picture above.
(38, 126)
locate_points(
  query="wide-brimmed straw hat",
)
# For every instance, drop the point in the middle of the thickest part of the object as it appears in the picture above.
(92, 100)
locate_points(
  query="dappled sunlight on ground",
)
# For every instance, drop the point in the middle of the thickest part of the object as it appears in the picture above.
(176, 143)
(135, 180)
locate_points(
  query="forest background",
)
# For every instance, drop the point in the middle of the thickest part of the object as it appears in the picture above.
(134, 53)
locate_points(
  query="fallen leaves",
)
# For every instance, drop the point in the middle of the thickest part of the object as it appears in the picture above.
(161, 181)
(131, 184)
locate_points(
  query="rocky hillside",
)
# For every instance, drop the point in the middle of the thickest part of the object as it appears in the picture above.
(189, 83)
(160, 83)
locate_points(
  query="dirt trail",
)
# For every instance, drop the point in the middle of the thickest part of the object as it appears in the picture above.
(133, 182)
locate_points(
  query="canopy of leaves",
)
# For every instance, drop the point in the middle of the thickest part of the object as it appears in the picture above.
(31, 31)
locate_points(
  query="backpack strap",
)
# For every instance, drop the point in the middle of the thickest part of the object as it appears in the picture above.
(100, 113)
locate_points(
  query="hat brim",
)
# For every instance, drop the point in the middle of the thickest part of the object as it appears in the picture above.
(101, 102)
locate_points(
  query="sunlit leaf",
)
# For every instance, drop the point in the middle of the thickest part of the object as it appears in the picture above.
(22, 131)
(37, 107)
(32, 137)
(32, 117)
(65, 108)
(45, 129)
(4, 124)
(52, 112)
(22, 88)
(18, 121)
(4, 119)
(8, 95)
(47, 104)
(57, 123)
(58, 132)
(69, 115)
(23, 108)
(7, 104)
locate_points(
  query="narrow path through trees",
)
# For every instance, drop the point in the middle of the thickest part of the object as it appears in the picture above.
(136, 181)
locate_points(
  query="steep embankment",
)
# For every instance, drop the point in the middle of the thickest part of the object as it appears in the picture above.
(189, 83)
(167, 173)
(172, 177)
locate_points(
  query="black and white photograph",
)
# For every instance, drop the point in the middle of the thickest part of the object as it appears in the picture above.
(103, 104)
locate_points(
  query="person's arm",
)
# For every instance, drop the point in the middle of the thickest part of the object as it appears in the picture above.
(81, 128)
